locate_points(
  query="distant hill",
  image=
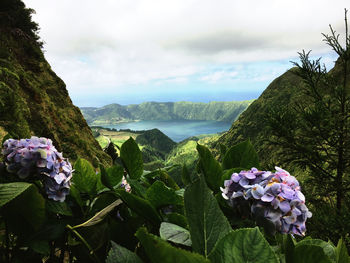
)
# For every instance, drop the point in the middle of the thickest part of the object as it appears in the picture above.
(154, 144)
(33, 99)
(114, 113)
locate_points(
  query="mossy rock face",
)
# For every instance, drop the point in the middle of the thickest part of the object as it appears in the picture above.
(35, 101)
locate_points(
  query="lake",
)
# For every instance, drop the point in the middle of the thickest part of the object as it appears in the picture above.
(177, 130)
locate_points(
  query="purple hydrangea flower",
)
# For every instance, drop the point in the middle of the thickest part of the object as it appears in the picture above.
(126, 185)
(278, 194)
(37, 158)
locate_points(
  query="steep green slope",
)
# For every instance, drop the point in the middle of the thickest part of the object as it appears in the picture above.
(33, 100)
(219, 111)
(284, 90)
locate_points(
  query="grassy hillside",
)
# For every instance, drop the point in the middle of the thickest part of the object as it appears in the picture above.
(185, 152)
(114, 113)
(33, 99)
(154, 144)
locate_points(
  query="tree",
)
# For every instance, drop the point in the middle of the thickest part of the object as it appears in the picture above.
(315, 133)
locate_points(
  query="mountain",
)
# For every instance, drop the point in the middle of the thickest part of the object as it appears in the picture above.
(114, 113)
(284, 90)
(33, 99)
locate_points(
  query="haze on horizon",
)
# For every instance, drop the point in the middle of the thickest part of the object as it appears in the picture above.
(119, 51)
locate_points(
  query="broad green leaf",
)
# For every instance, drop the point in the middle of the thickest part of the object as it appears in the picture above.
(185, 176)
(137, 187)
(243, 245)
(175, 234)
(342, 255)
(40, 246)
(58, 208)
(160, 195)
(139, 205)
(310, 254)
(85, 178)
(112, 176)
(164, 177)
(132, 158)
(206, 221)
(168, 180)
(160, 251)
(119, 254)
(11, 190)
(177, 219)
(241, 155)
(328, 248)
(210, 168)
(75, 194)
(28, 210)
(98, 217)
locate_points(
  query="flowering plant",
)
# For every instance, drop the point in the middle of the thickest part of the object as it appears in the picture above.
(277, 195)
(37, 158)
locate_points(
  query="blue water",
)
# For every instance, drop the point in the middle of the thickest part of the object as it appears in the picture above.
(176, 130)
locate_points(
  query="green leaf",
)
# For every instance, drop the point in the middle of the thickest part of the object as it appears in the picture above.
(243, 245)
(98, 217)
(342, 255)
(177, 219)
(328, 248)
(132, 158)
(11, 190)
(58, 208)
(85, 178)
(75, 194)
(168, 180)
(112, 176)
(206, 221)
(40, 246)
(160, 195)
(241, 155)
(310, 254)
(288, 247)
(175, 234)
(210, 167)
(185, 176)
(119, 254)
(159, 251)
(27, 210)
(137, 187)
(141, 206)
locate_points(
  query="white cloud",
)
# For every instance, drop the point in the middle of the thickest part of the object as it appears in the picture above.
(110, 44)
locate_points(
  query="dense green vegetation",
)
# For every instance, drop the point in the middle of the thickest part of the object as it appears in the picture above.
(157, 221)
(114, 113)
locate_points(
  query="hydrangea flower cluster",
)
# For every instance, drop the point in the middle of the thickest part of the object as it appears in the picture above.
(125, 185)
(277, 194)
(37, 158)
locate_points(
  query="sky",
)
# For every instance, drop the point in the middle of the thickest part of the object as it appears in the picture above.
(122, 51)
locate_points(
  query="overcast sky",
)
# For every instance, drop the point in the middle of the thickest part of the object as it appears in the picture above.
(123, 51)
